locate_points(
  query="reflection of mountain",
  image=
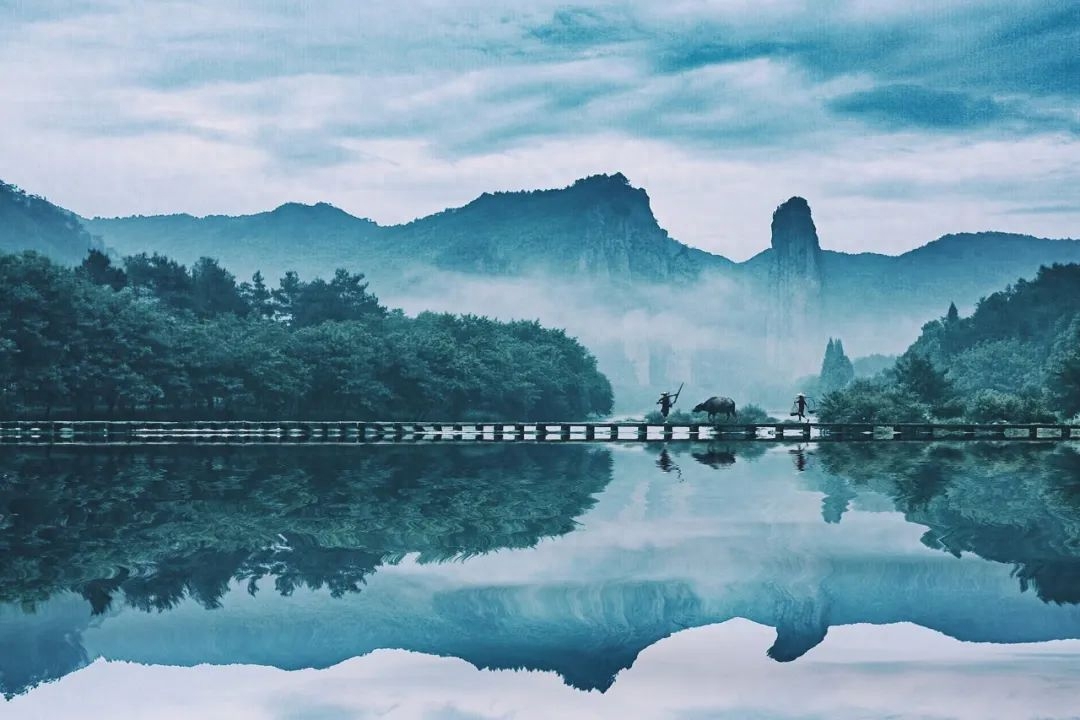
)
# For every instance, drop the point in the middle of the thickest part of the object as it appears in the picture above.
(653, 556)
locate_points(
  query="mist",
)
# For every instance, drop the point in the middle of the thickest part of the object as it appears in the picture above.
(709, 335)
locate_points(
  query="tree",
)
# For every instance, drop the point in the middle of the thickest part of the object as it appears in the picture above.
(214, 291)
(343, 298)
(285, 297)
(258, 298)
(345, 362)
(837, 371)
(1065, 385)
(72, 346)
(916, 374)
(994, 406)
(98, 269)
(952, 315)
(161, 277)
(869, 401)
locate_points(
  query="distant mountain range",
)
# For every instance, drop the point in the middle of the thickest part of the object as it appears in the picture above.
(599, 227)
(655, 311)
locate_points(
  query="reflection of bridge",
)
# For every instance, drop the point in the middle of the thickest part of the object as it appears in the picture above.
(50, 431)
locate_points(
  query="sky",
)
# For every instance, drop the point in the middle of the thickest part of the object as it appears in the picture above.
(899, 122)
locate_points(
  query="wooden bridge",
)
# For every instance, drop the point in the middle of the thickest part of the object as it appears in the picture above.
(236, 431)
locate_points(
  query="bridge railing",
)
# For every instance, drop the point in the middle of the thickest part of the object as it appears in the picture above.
(107, 431)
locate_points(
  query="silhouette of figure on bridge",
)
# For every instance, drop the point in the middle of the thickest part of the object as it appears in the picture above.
(801, 407)
(667, 400)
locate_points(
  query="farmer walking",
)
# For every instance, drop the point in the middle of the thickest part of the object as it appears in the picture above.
(800, 407)
(667, 400)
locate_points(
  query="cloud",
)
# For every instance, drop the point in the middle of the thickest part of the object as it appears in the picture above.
(902, 105)
(1062, 208)
(584, 27)
(239, 105)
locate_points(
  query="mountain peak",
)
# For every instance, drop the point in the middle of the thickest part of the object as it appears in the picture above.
(319, 212)
(296, 208)
(792, 225)
(603, 180)
(601, 190)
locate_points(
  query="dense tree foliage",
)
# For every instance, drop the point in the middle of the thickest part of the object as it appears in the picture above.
(156, 339)
(1015, 341)
(837, 372)
(1016, 358)
(871, 401)
(1066, 383)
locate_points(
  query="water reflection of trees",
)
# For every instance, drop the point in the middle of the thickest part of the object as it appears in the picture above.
(155, 525)
(1013, 503)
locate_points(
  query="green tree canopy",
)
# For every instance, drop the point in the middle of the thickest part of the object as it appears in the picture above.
(184, 345)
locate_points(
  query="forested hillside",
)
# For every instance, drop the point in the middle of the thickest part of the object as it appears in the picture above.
(29, 222)
(155, 338)
(1017, 357)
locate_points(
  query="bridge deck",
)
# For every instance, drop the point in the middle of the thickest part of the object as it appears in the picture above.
(64, 431)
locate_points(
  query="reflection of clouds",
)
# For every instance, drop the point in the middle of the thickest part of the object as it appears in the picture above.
(717, 671)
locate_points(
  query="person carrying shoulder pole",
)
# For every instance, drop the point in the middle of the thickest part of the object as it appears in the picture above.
(667, 401)
(801, 407)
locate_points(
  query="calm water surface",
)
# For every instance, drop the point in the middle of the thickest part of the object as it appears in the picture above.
(446, 581)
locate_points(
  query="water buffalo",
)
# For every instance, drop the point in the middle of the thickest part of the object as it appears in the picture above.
(717, 406)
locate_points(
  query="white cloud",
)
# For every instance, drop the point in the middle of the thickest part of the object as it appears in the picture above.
(237, 107)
